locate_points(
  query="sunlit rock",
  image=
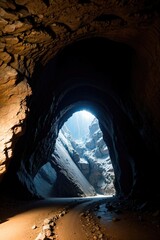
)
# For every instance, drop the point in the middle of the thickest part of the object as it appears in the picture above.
(70, 180)
(94, 161)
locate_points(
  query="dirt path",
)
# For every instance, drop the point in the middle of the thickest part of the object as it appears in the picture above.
(17, 220)
(100, 221)
(70, 227)
(85, 219)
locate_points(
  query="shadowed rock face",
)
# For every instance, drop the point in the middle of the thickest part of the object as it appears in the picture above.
(114, 71)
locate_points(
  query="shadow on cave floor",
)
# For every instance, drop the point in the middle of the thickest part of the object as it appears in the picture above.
(23, 214)
(11, 206)
(116, 218)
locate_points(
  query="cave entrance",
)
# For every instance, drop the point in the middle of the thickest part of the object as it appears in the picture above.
(82, 138)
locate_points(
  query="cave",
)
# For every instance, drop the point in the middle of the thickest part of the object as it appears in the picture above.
(58, 58)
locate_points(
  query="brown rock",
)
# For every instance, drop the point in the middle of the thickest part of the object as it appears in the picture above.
(9, 28)
(34, 227)
(21, 2)
(5, 57)
(48, 233)
(46, 226)
(7, 15)
(2, 23)
(11, 40)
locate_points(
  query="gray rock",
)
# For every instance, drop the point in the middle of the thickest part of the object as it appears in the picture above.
(84, 166)
(90, 144)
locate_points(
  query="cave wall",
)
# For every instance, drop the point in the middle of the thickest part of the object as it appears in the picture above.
(32, 33)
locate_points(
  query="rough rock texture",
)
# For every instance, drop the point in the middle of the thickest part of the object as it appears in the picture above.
(70, 181)
(61, 175)
(45, 180)
(13, 112)
(91, 155)
(118, 80)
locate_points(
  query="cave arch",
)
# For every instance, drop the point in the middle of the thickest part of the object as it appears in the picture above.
(79, 76)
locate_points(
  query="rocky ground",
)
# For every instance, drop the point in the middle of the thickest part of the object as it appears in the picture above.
(119, 220)
(78, 219)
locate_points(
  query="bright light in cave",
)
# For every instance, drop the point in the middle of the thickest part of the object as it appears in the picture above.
(82, 157)
(79, 124)
(86, 115)
(82, 137)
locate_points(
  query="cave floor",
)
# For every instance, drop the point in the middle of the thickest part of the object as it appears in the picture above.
(82, 219)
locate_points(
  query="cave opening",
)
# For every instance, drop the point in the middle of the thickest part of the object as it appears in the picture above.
(81, 75)
(80, 150)
(82, 138)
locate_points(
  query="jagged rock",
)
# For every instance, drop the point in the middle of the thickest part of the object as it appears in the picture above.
(11, 40)
(7, 15)
(100, 142)
(5, 57)
(75, 157)
(47, 221)
(90, 144)
(45, 180)
(3, 22)
(122, 91)
(83, 166)
(93, 128)
(94, 164)
(104, 151)
(98, 153)
(70, 180)
(9, 28)
(34, 227)
(80, 149)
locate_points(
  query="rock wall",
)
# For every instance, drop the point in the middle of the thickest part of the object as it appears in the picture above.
(119, 80)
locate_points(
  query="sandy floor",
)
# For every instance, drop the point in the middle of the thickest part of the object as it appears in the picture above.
(16, 225)
(86, 219)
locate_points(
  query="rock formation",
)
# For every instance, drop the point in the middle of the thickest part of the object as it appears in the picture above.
(92, 157)
(70, 180)
(57, 57)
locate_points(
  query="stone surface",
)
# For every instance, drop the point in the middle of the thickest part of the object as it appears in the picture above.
(70, 181)
(123, 89)
(94, 161)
